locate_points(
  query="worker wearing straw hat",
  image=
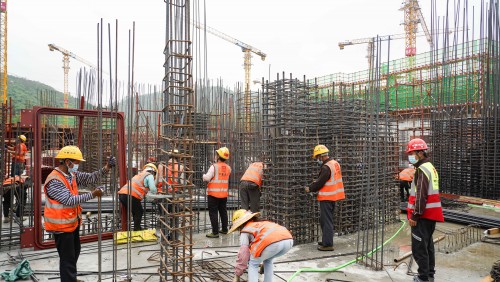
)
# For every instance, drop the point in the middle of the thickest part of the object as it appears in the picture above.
(260, 242)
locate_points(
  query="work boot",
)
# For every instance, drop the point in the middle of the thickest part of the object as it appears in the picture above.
(325, 248)
(7, 219)
(212, 235)
(223, 231)
(417, 279)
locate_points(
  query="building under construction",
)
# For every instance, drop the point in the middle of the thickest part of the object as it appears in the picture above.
(449, 97)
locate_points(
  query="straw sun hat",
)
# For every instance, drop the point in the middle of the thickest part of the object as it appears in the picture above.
(240, 217)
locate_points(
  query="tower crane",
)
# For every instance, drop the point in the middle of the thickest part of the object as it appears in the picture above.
(66, 55)
(3, 49)
(413, 17)
(247, 63)
(370, 41)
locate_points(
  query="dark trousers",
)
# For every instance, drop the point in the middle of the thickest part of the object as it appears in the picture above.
(137, 210)
(68, 247)
(217, 205)
(20, 194)
(326, 222)
(404, 186)
(422, 247)
(250, 196)
(16, 168)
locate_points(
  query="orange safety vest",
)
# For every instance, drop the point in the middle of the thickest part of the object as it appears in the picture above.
(172, 170)
(433, 209)
(407, 174)
(59, 217)
(254, 173)
(333, 190)
(138, 188)
(219, 184)
(21, 150)
(265, 233)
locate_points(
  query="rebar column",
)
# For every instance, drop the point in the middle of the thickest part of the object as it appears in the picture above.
(176, 212)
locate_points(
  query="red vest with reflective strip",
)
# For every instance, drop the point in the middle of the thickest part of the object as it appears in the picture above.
(265, 233)
(59, 217)
(171, 171)
(219, 184)
(254, 173)
(407, 174)
(138, 188)
(433, 209)
(333, 190)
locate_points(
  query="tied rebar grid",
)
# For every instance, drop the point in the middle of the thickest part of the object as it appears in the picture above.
(176, 212)
(288, 142)
(465, 148)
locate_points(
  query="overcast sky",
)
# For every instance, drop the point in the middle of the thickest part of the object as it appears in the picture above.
(299, 37)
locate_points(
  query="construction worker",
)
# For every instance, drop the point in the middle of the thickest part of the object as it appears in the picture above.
(261, 241)
(18, 152)
(405, 179)
(330, 189)
(142, 184)
(217, 177)
(62, 212)
(174, 173)
(424, 209)
(250, 185)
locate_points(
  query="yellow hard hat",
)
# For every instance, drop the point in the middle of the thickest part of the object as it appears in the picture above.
(22, 137)
(240, 217)
(153, 166)
(70, 152)
(223, 153)
(319, 150)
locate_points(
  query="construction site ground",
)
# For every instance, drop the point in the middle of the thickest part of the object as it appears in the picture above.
(214, 259)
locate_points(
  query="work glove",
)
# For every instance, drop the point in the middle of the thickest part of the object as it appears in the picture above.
(112, 162)
(97, 192)
(236, 279)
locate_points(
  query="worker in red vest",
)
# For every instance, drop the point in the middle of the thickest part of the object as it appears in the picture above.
(133, 193)
(18, 152)
(405, 179)
(424, 209)
(62, 212)
(330, 189)
(171, 173)
(261, 241)
(250, 185)
(217, 177)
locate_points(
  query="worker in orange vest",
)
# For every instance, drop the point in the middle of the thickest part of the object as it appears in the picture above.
(330, 189)
(18, 152)
(172, 174)
(62, 212)
(142, 184)
(424, 209)
(261, 241)
(217, 177)
(250, 185)
(405, 179)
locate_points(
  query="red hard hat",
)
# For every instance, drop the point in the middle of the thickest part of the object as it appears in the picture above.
(416, 144)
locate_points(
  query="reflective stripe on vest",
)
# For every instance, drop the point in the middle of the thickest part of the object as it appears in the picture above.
(138, 188)
(265, 233)
(333, 190)
(219, 184)
(433, 209)
(254, 173)
(59, 217)
(407, 174)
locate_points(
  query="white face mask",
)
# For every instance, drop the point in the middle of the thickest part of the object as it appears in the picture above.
(73, 169)
(319, 161)
(412, 159)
